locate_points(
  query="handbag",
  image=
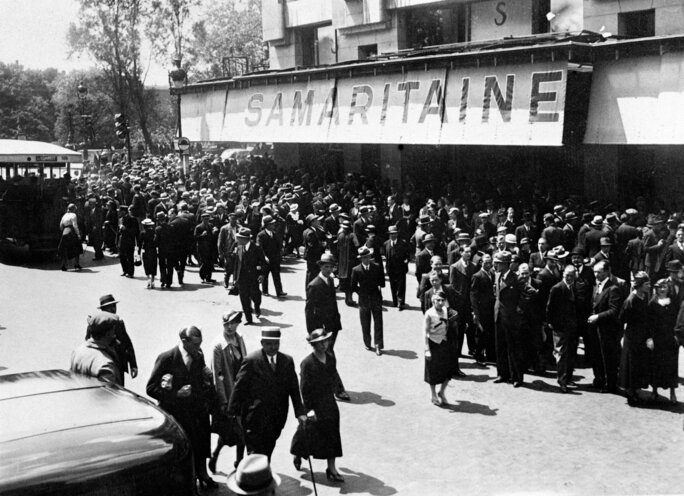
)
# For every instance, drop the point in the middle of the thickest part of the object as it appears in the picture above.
(228, 428)
(136, 260)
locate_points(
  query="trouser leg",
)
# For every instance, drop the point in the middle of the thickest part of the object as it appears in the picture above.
(376, 310)
(365, 318)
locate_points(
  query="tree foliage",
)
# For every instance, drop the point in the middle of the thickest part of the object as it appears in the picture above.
(26, 108)
(225, 29)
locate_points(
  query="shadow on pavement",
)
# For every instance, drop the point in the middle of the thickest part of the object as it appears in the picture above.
(266, 311)
(265, 322)
(290, 485)
(469, 407)
(545, 387)
(662, 403)
(354, 483)
(367, 397)
(474, 378)
(405, 354)
(2, 368)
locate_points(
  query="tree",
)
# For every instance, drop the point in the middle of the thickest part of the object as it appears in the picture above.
(228, 28)
(167, 27)
(109, 30)
(26, 108)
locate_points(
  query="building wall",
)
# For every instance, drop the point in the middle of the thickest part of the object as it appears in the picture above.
(669, 14)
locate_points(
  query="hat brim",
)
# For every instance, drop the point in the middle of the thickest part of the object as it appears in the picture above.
(236, 316)
(323, 262)
(108, 304)
(369, 253)
(233, 486)
(320, 338)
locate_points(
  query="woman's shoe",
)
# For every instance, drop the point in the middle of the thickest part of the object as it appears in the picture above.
(333, 477)
(297, 462)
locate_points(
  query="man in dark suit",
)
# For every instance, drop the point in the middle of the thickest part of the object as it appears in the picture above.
(397, 256)
(271, 245)
(460, 278)
(204, 237)
(526, 229)
(561, 315)
(510, 354)
(592, 239)
(547, 278)
(538, 258)
(122, 344)
(250, 267)
(605, 322)
(263, 385)
(675, 286)
(605, 252)
(482, 305)
(178, 383)
(676, 250)
(367, 280)
(423, 257)
(321, 309)
(314, 245)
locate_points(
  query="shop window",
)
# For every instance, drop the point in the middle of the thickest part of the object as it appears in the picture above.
(367, 51)
(428, 27)
(637, 24)
(305, 47)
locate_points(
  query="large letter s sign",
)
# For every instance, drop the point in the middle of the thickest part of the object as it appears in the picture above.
(500, 9)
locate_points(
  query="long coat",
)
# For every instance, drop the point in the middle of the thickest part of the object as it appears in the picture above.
(223, 365)
(249, 265)
(321, 306)
(636, 357)
(260, 398)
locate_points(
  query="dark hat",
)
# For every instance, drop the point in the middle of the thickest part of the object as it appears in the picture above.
(502, 257)
(612, 217)
(393, 230)
(107, 300)
(429, 237)
(673, 266)
(364, 251)
(525, 241)
(577, 251)
(268, 219)
(334, 208)
(231, 316)
(318, 335)
(463, 236)
(312, 217)
(365, 209)
(271, 333)
(253, 476)
(206, 213)
(244, 232)
(326, 258)
(548, 217)
(570, 216)
(606, 242)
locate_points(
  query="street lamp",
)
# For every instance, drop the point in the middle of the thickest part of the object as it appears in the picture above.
(82, 94)
(178, 80)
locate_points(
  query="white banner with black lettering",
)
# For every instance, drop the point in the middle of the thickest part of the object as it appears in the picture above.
(516, 105)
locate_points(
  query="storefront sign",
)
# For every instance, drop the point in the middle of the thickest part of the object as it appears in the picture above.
(504, 105)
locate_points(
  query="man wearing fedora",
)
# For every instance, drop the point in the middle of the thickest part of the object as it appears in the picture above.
(204, 237)
(396, 261)
(271, 244)
(96, 357)
(250, 268)
(122, 344)
(592, 238)
(227, 243)
(347, 246)
(314, 245)
(253, 477)
(605, 251)
(264, 385)
(424, 256)
(510, 352)
(367, 281)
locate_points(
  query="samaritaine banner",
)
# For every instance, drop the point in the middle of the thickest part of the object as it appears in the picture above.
(503, 105)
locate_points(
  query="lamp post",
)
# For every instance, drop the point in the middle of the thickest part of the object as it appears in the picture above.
(82, 92)
(178, 80)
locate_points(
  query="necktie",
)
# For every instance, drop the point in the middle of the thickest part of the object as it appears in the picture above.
(273, 364)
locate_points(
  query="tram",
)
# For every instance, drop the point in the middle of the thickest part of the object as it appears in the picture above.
(34, 182)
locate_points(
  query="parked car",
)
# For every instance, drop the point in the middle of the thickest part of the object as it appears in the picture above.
(67, 434)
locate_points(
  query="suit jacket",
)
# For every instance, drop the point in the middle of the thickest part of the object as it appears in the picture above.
(451, 298)
(396, 258)
(249, 265)
(460, 277)
(482, 295)
(271, 246)
(522, 231)
(260, 396)
(222, 365)
(544, 281)
(674, 252)
(182, 409)
(320, 309)
(313, 245)
(367, 283)
(508, 289)
(537, 260)
(94, 359)
(606, 305)
(561, 309)
(423, 262)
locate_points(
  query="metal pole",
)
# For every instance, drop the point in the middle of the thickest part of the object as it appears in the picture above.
(180, 130)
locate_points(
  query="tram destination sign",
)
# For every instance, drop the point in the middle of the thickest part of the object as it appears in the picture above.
(503, 105)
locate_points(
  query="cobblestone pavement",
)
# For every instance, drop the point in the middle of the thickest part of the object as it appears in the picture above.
(491, 439)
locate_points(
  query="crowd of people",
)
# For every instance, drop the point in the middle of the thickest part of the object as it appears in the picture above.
(518, 277)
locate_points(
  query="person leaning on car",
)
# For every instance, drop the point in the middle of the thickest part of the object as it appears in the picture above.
(95, 357)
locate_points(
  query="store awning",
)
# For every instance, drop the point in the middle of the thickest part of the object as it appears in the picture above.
(637, 101)
(514, 104)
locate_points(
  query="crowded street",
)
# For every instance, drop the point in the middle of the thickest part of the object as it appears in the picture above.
(490, 438)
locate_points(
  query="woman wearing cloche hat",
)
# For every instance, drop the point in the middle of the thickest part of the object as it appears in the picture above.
(319, 436)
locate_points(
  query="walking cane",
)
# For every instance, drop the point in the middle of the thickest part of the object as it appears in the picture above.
(308, 457)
